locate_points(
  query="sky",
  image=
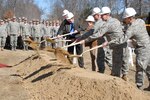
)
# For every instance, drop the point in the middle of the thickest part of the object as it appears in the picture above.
(45, 5)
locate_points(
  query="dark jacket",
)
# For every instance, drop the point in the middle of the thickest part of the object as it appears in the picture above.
(65, 28)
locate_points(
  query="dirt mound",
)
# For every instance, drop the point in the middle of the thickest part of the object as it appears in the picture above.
(14, 57)
(11, 88)
(48, 79)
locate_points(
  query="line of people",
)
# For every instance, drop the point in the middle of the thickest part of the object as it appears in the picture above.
(113, 36)
(16, 31)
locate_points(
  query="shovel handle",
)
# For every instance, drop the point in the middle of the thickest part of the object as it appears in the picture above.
(42, 41)
(63, 40)
(96, 47)
(65, 35)
(72, 44)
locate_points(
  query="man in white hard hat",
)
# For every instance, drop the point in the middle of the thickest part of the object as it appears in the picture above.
(137, 32)
(65, 13)
(120, 52)
(101, 53)
(68, 27)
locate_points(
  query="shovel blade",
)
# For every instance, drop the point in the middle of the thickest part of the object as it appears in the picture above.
(50, 40)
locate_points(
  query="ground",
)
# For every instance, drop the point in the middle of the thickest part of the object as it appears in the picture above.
(42, 77)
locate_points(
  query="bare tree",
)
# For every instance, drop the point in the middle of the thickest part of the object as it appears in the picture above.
(20, 8)
(82, 8)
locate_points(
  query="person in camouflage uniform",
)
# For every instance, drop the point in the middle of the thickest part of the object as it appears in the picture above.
(36, 29)
(7, 45)
(113, 30)
(48, 32)
(103, 54)
(20, 37)
(25, 33)
(3, 34)
(136, 31)
(33, 29)
(56, 28)
(43, 33)
(13, 31)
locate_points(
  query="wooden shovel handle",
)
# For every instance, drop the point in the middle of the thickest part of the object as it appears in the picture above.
(96, 47)
(65, 35)
(72, 44)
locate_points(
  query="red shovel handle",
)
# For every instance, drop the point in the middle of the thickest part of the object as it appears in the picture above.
(3, 65)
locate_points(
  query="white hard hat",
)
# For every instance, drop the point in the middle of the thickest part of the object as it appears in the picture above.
(129, 12)
(14, 17)
(105, 10)
(65, 12)
(69, 15)
(1, 20)
(96, 10)
(90, 19)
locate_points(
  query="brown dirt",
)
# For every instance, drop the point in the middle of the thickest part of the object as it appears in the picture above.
(45, 78)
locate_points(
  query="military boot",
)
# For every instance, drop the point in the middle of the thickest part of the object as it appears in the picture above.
(139, 87)
(124, 77)
(14, 48)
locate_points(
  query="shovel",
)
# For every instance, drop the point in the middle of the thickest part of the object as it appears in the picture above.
(4, 65)
(64, 35)
(53, 41)
(96, 47)
(72, 44)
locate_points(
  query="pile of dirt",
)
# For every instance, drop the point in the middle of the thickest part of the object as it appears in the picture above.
(11, 87)
(48, 79)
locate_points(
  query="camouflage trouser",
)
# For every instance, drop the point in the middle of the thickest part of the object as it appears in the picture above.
(125, 61)
(142, 65)
(120, 56)
(104, 56)
(2, 41)
(148, 70)
(13, 40)
(25, 45)
(108, 56)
